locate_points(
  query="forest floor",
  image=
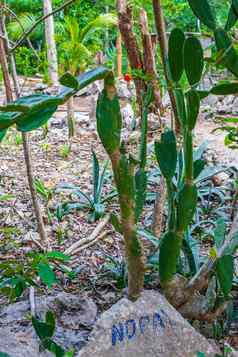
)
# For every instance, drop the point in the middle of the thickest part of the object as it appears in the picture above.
(55, 165)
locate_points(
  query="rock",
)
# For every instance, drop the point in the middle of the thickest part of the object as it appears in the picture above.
(123, 90)
(128, 117)
(149, 327)
(75, 316)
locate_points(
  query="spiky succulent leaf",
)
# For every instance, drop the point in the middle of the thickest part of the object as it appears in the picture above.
(169, 253)
(193, 107)
(193, 60)
(226, 53)
(204, 12)
(166, 154)
(176, 62)
(187, 202)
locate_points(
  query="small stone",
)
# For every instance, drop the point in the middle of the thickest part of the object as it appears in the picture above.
(149, 327)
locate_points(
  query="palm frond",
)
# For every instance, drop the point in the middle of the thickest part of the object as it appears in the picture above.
(101, 22)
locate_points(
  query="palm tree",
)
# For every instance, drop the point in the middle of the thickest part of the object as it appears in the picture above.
(76, 51)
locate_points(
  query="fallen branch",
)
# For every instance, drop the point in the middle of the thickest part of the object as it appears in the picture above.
(71, 250)
(90, 244)
(32, 301)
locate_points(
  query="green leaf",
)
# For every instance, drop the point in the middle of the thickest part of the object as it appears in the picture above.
(204, 12)
(169, 253)
(53, 347)
(3, 354)
(198, 167)
(225, 271)
(32, 121)
(96, 173)
(187, 203)
(193, 60)
(46, 274)
(166, 154)
(141, 186)
(203, 94)
(219, 232)
(57, 256)
(2, 134)
(109, 122)
(176, 60)
(50, 320)
(226, 52)
(225, 88)
(116, 223)
(235, 5)
(6, 120)
(193, 107)
(43, 330)
(180, 103)
(68, 80)
(232, 18)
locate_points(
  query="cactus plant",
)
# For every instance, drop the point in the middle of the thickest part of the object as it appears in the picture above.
(182, 196)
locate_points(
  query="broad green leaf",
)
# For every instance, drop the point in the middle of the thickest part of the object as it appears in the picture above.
(203, 94)
(169, 253)
(219, 232)
(198, 167)
(193, 107)
(68, 80)
(225, 271)
(57, 256)
(193, 60)
(50, 319)
(176, 60)
(225, 88)
(6, 120)
(53, 347)
(43, 330)
(166, 154)
(3, 354)
(235, 5)
(226, 53)
(232, 18)
(2, 134)
(204, 12)
(34, 120)
(187, 203)
(46, 274)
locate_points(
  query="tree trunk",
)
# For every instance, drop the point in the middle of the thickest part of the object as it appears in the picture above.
(119, 56)
(71, 117)
(149, 60)
(9, 95)
(161, 32)
(50, 43)
(130, 42)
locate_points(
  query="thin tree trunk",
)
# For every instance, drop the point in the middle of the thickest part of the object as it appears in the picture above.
(50, 43)
(149, 60)
(119, 56)
(71, 117)
(9, 95)
(161, 32)
(130, 42)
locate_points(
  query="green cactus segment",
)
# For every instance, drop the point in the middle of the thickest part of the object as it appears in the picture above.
(176, 43)
(188, 155)
(166, 154)
(32, 121)
(193, 107)
(187, 202)
(109, 121)
(193, 60)
(226, 52)
(232, 18)
(225, 88)
(169, 253)
(7, 120)
(141, 185)
(203, 11)
(84, 79)
(181, 108)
